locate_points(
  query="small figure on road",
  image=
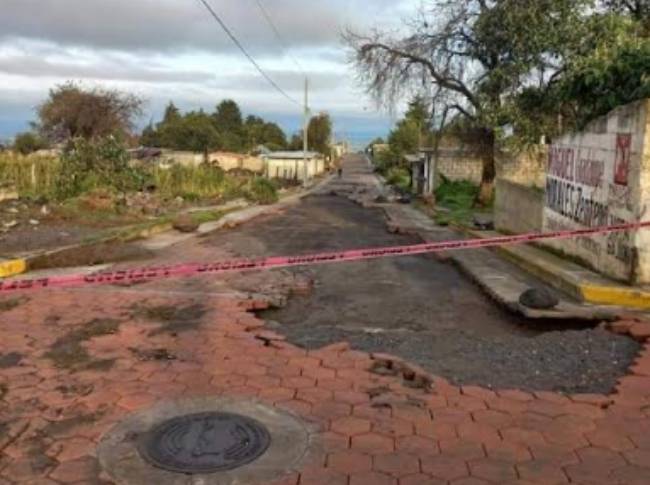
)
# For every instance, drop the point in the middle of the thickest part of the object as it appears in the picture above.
(340, 172)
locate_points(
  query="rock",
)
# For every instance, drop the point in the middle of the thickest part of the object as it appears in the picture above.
(10, 224)
(538, 299)
(381, 199)
(185, 223)
(483, 223)
(45, 210)
(34, 222)
(12, 210)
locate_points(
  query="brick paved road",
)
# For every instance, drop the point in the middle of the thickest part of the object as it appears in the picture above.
(73, 363)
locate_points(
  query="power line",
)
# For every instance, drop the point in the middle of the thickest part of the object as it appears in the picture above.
(245, 52)
(278, 35)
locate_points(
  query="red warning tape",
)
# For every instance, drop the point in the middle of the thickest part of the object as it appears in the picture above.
(189, 269)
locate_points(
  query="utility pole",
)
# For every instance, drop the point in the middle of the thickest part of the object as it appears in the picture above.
(305, 132)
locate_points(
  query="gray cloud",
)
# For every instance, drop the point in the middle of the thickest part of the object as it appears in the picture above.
(172, 49)
(163, 25)
(108, 69)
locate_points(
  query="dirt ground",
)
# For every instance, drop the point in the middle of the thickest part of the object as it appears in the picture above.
(419, 308)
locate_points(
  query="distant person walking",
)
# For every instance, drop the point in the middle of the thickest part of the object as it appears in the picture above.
(340, 172)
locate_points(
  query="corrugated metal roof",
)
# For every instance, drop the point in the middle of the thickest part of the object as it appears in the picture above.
(295, 155)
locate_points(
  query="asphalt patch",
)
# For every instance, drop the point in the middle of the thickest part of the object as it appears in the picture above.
(419, 309)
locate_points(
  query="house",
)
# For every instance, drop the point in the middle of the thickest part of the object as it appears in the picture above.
(294, 165)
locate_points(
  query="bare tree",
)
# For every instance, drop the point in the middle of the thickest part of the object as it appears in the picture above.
(471, 54)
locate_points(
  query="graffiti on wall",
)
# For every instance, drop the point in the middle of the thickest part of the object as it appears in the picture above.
(588, 187)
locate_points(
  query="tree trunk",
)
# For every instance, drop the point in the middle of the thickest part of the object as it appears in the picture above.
(486, 190)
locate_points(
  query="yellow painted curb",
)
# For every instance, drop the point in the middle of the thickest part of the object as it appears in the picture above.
(609, 295)
(12, 267)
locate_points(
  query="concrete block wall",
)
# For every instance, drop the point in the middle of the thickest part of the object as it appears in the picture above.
(526, 167)
(600, 177)
(459, 165)
(518, 208)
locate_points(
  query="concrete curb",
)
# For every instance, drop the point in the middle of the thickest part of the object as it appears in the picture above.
(579, 282)
(12, 267)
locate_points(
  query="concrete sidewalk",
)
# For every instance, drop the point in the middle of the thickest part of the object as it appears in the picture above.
(579, 282)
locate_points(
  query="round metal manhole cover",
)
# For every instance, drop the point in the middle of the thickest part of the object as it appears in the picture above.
(204, 443)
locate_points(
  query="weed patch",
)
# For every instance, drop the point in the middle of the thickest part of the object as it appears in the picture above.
(10, 360)
(8, 305)
(68, 352)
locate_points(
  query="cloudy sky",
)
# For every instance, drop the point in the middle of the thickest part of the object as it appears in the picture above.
(173, 50)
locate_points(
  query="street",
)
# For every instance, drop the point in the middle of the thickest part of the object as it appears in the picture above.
(436, 384)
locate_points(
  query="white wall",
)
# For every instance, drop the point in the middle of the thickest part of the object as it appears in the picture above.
(601, 177)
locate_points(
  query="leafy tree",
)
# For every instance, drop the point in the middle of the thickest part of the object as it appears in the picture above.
(319, 133)
(72, 111)
(608, 67)
(638, 9)
(259, 132)
(404, 139)
(229, 123)
(193, 132)
(150, 137)
(172, 114)
(474, 53)
(28, 142)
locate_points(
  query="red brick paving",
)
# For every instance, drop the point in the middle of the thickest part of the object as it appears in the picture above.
(374, 429)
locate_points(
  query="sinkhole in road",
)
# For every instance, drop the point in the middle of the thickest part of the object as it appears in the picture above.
(418, 308)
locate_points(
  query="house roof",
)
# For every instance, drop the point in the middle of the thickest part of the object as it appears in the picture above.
(413, 159)
(295, 155)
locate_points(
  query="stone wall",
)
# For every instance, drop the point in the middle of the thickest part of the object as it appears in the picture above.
(518, 208)
(601, 177)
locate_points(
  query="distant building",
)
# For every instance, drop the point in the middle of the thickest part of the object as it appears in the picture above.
(377, 149)
(339, 150)
(294, 165)
(236, 161)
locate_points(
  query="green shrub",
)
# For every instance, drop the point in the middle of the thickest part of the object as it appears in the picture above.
(28, 142)
(86, 165)
(262, 191)
(456, 194)
(399, 177)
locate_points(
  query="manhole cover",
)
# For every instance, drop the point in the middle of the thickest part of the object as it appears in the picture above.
(204, 443)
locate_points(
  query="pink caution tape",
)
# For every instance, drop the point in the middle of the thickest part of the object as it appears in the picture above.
(193, 269)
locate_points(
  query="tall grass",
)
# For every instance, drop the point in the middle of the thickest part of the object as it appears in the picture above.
(37, 177)
(30, 176)
(195, 183)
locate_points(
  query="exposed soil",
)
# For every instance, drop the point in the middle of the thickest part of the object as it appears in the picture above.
(418, 308)
(172, 319)
(94, 254)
